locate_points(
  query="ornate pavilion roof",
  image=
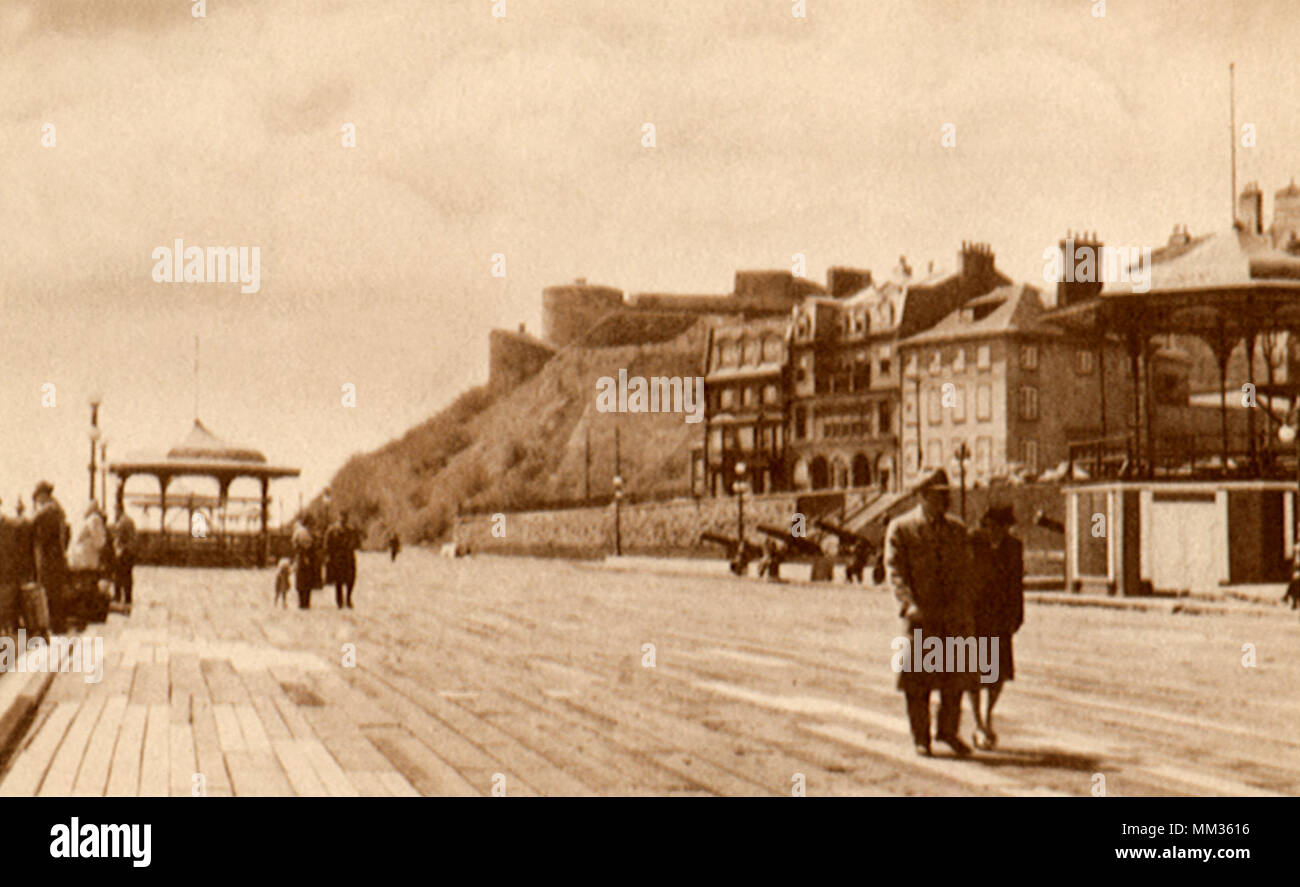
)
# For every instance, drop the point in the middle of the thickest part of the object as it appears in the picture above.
(202, 452)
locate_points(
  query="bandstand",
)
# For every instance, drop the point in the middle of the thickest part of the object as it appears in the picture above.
(208, 542)
(1160, 512)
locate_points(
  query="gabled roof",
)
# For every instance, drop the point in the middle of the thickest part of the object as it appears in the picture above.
(1016, 308)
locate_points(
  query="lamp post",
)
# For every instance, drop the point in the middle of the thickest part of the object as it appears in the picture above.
(618, 515)
(962, 455)
(1290, 434)
(95, 400)
(103, 474)
(740, 486)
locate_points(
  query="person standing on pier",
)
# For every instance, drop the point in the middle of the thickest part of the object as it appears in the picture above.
(306, 572)
(50, 533)
(341, 544)
(124, 549)
(394, 545)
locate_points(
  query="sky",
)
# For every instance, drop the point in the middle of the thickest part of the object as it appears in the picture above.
(522, 135)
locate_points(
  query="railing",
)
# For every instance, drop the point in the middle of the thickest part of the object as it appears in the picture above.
(1187, 456)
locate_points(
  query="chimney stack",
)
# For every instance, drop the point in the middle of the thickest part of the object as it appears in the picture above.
(1250, 209)
(975, 261)
(841, 281)
(1075, 249)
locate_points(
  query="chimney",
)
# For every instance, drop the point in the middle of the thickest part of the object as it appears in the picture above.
(1079, 248)
(1250, 209)
(975, 261)
(841, 281)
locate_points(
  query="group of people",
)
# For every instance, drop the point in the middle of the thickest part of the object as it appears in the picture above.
(952, 583)
(333, 552)
(48, 578)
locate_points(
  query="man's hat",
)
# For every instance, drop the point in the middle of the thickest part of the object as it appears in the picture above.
(937, 480)
(1000, 514)
(43, 487)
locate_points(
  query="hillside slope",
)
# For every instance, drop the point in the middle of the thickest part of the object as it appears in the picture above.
(521, 448)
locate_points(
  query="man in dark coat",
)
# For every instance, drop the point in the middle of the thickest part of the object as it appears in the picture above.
(341, 544)
(927, 561)
(124, 548)
(999, 562)
(50, 534)
(306, 573)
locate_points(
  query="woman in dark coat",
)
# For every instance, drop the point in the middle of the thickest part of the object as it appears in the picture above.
(998, 559)
(306, 578)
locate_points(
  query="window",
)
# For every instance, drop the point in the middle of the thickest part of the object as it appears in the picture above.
(884, 418)
(747, 395)
(747, 438)
(936, 363)
(1029, 357)
(911, 364)
(983, 402)
(959, 362)
(728, 398)
(1029, 454)
(753, 352)
(983, 357)
(936, 406)
(771, 394)
(800, 423)
(1085, 359)
(1029, 403)
(715, 439)
(959, 408)
(983, 447)
(933, 454)
(884, 367)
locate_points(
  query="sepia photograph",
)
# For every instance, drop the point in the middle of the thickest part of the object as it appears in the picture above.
(871, 399)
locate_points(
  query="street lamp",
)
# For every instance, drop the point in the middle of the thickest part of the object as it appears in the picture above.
(103, 474)
(618, 515)
(739, 487)
(962, 455)
(95, 400)
(1288, 435)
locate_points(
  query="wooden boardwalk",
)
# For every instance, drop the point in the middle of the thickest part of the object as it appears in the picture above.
(517, 677)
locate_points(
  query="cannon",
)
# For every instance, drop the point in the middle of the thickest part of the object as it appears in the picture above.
(739, 552)
(863, 551)
(796, 546)
(1042, 520)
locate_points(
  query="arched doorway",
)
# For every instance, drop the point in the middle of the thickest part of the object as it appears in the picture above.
(819, 473)
(861, 471)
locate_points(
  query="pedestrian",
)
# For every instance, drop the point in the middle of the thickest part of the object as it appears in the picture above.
(283, 577)
(50, 534)
(998, 559)
(124, 549)
(927, 560)
(306, 572)
(1291, 597)
(394, 546)
(341, 543)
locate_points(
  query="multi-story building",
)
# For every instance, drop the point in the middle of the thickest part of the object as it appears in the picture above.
(745, 416)
(997, 384)
(843, 394)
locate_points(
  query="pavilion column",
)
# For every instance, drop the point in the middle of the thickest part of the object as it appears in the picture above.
(223, 491)
(1250, 412)
(1134, 358)
(262, 561)
(163, 481)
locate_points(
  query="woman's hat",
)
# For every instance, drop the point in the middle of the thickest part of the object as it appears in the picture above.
(43, 487)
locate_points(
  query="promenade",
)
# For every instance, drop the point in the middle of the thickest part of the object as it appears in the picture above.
(487, 676)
